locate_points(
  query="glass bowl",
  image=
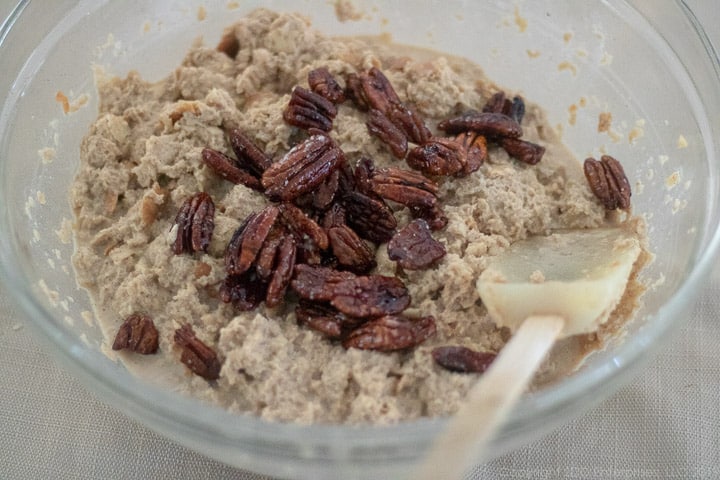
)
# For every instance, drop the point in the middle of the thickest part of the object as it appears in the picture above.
(647, 62)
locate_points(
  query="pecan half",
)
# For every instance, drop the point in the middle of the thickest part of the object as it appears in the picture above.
(198, 357)
(350, 250)
(382, 127)
(496, 103)
(409, 188)
(434, 216)
(324, 194)
(516, 110)
(390, 333)
(325, 319)
(357, 296)
(227, 168)
(608, 182)
(462, 359)
(195, 224)
(229, 45)
(283, 272)
(303, 226)
(245, 291)
(410, 122)
(499, 103)
(248, 239)
(137, 334)
(377, 91)
(265, 261)
(353, 91)
(474, 151)
(414, 248)
(485, 123)
(303, 168)
(307, 109)
(526, 152)
(439, 156)
(334, 217)
(248, 153)
(371, 218)
(323, 83)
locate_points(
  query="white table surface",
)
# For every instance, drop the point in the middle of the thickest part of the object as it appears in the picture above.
(665, 424)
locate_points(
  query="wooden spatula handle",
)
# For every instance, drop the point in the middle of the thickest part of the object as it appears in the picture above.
(491, 399)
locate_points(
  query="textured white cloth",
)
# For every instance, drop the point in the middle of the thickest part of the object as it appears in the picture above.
(665, 424)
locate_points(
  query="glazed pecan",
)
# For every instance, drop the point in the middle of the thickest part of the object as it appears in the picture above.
(324, 194)
(198, 357)
(228, 169)
(382, 127)
(474, 151)
(137, 334)
(248, 239)
(434, 216)
(377, 91)
(485, 123)
(283, 272)
(390, 333)
(439, 156)
(409, 188)
(462, 359)
(325, 319)
(364, 169)
(409, 122)
(370, 217)
(303, 226)
(244, 291)
(307, 109)
(357, 296)
(229, 45)
(195, 224)
(303, 168)
(247, 153)
(608, 182)
(265, 260)
(324, 84)
(499, 103)
(526, 152)
(353, 91)
(414, 248)
(350, 250)
(334, 217)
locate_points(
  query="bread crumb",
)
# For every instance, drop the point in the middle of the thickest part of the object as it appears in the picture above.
(606, 59)
(604, 122)
(672, 180)
(201, 13)
(347, 11)
(47, 155)
(232, 5)
(521, 22)
(635, 134)
(537, 277)
(682, 142)
(533, 53)
(569, 66)
(572, 112)
(17, 326)
(70, 107)
(41, 198)
(567, 37)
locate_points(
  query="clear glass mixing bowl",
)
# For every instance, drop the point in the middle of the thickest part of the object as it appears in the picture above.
(646, 61)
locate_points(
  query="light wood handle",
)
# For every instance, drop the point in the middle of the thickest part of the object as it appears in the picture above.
(490, 400)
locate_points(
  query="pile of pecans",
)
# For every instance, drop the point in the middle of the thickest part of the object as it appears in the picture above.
(316, 240)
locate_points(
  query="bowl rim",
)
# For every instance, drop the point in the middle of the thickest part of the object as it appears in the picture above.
(162, 407)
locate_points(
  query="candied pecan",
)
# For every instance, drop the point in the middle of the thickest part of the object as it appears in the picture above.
(137, 334)
(248, 239)
(608, 182)
(282, 273)
(364, 169)
(434, 216)
(244, 291)
(496, 103)
(303, 226)
(350, 250)
(516, 110)
(390, 333)
(499, 103)
(382, 127)
(324, 194)
(195, 224)
(334, 217)
(323, 83)
(265, 261)
(370, 217)
(357, 296)
(198, 357)
(303, 168)
(462, 359)
(325, 319)
(414, 248)
(377, 91)
(409, 188)
(486, 123)
(228, 169)
(353, 91)
(474, 148)
(307, 109)
(439, 156)
(409, 122)
(248, 153)
(526, 152)
(229, 45)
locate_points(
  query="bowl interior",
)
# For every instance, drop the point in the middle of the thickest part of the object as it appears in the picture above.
(579, 63)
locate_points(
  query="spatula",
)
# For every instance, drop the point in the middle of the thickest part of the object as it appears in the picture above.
(542, 289)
